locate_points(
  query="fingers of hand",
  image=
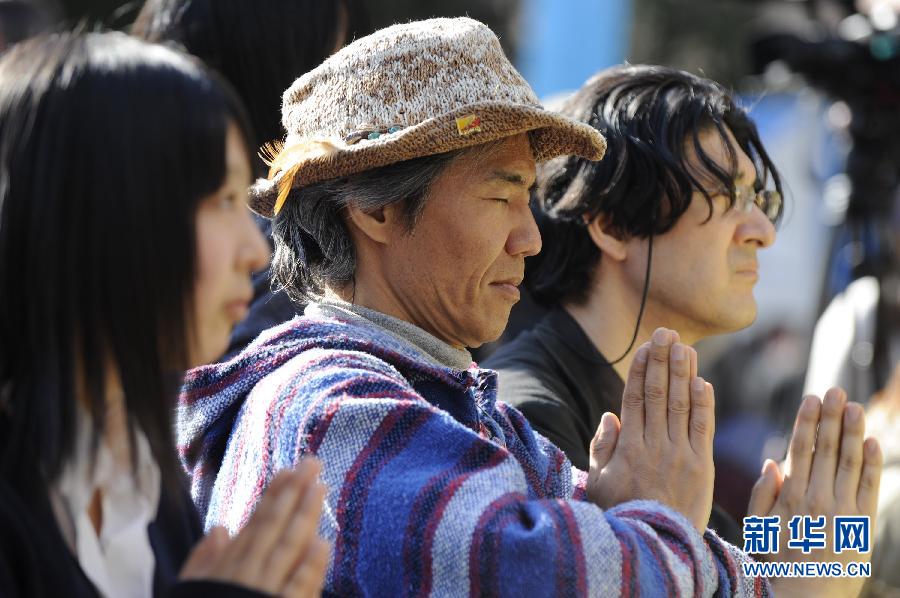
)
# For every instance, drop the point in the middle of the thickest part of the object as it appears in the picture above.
(873, 461)
(693, 364)
(765, 491)
(253, 546)
(825, 457)
(604, 442)
(850, 462)
(201, 562)
(297, 536)
(633, 396)
(799, 459)
(679, 401)
(308, 578)
(656, 387)
(703, 417)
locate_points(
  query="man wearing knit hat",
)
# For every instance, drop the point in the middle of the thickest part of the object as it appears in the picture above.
(400, 207)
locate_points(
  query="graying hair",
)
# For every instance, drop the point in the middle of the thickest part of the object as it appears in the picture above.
(313, 248)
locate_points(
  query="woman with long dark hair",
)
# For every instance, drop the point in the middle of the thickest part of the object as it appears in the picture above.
(125, 257)
(259, 48)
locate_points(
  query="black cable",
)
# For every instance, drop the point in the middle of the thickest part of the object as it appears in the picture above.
(637, 326)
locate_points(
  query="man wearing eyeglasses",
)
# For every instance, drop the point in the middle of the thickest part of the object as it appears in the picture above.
(663, 232)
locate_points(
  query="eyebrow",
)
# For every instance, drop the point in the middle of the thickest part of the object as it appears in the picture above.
(509, 177)
(738, 176)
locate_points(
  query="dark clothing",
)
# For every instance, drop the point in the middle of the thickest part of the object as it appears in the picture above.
(35, 561)
(269, 308)
(558, 379)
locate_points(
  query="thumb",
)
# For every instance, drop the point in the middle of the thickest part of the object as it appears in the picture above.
(203, 557)
(604, 442)
(765, 490)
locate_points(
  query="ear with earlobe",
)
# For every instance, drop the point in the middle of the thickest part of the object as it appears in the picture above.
(380, 225)
(609, 241)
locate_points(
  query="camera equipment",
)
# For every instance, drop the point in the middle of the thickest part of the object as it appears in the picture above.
(855, 58)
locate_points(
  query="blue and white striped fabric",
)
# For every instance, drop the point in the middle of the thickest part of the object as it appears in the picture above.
(434, 488)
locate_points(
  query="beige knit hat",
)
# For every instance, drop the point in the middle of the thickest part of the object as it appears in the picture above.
(407, 91)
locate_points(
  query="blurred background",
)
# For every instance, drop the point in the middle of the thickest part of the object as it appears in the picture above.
(820, 78)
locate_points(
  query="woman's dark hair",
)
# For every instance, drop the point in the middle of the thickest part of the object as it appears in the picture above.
(107, 145)
(652, 118)
(260, 48)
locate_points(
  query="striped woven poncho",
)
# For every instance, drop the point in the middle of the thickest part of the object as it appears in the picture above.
(434, 488)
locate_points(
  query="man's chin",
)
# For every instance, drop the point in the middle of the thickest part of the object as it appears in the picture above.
(740, 321)
(490, 332)
(726, 322)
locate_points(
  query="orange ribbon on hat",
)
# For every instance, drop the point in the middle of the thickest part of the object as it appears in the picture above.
(289, 159)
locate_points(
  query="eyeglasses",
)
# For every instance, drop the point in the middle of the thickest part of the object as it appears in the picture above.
(767, 200)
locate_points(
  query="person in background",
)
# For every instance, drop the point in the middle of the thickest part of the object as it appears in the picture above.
(115, 279)
(400, 208)
(671, 137)
(686, 172)
(260, 48)
(663, 232)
